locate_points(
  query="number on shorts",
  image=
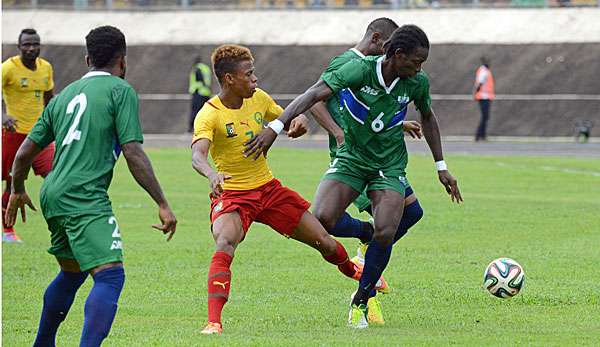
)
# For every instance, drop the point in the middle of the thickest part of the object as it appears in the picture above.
(73, 133)
(116, 232)
(377, 124)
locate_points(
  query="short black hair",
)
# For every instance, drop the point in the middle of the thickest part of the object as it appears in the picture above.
(104, 45)
(407, 38)
(382, 25)
(26, 31)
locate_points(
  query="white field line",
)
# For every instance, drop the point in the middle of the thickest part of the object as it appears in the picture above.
(459, 97)
(552, 169)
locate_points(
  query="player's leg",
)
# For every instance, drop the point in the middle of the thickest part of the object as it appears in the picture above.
(59, 295)
(309, 231)
(228, 231)
(10, 144)
(332, 198)
(387, 218)
(95, 241)
(287, 212)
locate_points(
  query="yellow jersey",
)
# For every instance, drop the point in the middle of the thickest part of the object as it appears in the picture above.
(228, 129)
(23, 91)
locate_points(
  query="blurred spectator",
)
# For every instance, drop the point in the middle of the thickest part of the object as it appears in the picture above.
(484, 94)
(200, 81)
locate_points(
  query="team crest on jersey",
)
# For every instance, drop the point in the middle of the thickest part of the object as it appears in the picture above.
(230, 130)
(403, 100)
(369, 90)
(24, 82)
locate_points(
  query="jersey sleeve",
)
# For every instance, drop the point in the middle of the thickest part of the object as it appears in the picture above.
(43, 133)
(350, 75)
(205, 124)
(423, 98)
(6, 73)
(334, 64)
(127, 120)
(273, 109)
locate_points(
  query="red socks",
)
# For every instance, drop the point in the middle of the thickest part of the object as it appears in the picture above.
(340, 258)
(219, 278)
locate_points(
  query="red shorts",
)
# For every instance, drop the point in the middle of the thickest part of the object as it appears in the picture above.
(272, 204)
(42, 163)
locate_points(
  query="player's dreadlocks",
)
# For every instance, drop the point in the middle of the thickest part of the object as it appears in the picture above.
(382, 25)
(226, 57)
(26, 31)
(104, 45)
(407, 38)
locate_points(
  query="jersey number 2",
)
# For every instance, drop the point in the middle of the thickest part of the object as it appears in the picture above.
(73, 133)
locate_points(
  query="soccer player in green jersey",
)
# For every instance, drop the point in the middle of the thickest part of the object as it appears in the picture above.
(91, 120)
(375, 92)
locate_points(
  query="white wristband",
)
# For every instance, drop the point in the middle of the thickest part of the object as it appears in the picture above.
(276, 125)
(441, 165)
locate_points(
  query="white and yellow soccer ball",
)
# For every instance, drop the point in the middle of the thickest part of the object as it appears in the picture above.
(504, 278)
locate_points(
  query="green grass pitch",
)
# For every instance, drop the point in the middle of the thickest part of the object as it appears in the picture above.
(543, 212)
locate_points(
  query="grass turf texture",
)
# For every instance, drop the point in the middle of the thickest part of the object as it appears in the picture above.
(543, 212)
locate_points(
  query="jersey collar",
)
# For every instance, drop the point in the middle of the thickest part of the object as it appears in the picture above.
(357, 52)
(95, 73)
(380, 76)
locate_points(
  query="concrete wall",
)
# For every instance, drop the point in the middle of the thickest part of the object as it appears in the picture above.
(539, 71)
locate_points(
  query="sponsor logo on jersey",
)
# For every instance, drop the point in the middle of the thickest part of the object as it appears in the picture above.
(369, 90)
(230, 130)
(24, 82)
(244, 122)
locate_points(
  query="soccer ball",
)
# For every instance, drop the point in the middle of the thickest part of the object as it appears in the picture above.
(504, 278)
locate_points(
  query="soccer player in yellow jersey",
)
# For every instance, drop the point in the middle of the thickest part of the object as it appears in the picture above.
(27, 86)
(244, 190)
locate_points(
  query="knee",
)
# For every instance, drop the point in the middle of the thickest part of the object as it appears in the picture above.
(326, 219)
(223, 244)
(384, 236)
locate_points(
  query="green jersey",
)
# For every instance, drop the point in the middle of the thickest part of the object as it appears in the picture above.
(333, 103)
(374, 112)
(88, 120)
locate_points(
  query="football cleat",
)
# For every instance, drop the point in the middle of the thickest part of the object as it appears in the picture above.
(212, 328)
(375, 315)
(360, 254)
(381, 286)
(11, 237)
(357, 317)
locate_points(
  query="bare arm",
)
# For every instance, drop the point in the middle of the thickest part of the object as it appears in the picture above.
(261, 143)
(141, 169)
(323, 117)
(47, 96)
(18, 197)
(202, 166)
(431, 131)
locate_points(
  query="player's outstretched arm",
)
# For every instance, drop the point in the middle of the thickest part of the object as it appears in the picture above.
(431, 131)
(323, 117)
(261, 143)
(202, 166)
(141, 169)
(18, 196)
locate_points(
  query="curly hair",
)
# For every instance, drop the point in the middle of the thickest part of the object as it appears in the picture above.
(104, 45)
(226, 57)
(406, 38)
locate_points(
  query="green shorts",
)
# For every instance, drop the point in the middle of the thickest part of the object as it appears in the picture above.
(91, 239)
(363, 179)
